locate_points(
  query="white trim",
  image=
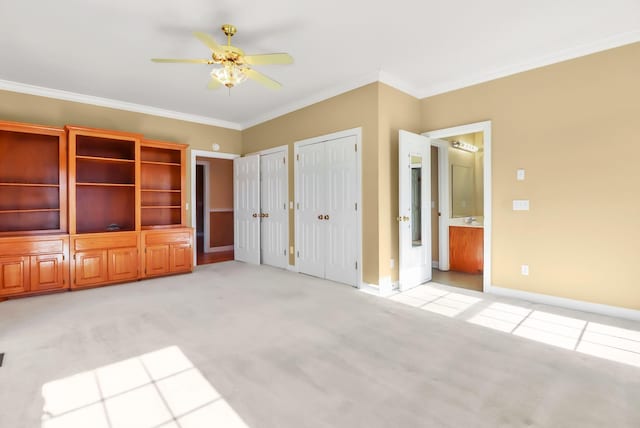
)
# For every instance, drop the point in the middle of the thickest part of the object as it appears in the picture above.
(374, 290)
(221, 249)
(58, 94)
(485, 128)
(192, 169)
(353, 132)
(444, 202)
(292, 268)
(274, 150)
(560, 56)
(313, 99)
(435, 264)
(579, 305)
(207, 204)
(399, 84)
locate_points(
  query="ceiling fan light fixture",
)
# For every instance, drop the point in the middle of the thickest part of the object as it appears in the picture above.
(230, 75)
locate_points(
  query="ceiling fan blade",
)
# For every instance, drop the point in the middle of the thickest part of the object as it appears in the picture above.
(209, 41)
(214, 83)
(191, 61)
(273, 58)
(262, 79)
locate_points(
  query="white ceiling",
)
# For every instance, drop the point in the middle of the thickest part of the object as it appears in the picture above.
(101, 48)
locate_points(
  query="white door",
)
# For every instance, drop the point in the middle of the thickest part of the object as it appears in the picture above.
(414, 216)
(340, 212)
(311, 209)
(273, 213)
(246, 209)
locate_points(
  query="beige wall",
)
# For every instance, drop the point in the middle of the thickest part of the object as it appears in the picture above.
(396, 111)
(357, 108)
(220, 183)
(48, 111)
(560, 123)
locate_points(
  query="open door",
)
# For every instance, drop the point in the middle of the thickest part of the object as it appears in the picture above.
(246, 209)
(414, 214)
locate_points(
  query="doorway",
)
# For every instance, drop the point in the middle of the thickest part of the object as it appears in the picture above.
(461, 205)
(212, 201)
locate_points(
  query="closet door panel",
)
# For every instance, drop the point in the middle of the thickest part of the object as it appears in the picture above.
(311, 209)
(340, 208)
(273, 207)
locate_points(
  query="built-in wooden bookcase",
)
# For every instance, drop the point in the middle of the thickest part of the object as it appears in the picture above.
(33, 179)
(103, 172)
(34, 248)
(162, 176)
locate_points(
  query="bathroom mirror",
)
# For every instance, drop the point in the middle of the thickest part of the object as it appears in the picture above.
(416, 200)
(462, 204)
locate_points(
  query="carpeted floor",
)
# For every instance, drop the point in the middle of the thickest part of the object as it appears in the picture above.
(254, 346)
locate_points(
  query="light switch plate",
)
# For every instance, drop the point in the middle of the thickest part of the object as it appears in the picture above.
(520, 174)
(521, 205)
(524, 270)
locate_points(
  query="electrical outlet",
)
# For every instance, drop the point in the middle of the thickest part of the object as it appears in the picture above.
(520, 174)
(524, 270)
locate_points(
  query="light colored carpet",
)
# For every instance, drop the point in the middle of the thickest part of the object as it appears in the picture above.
(287, 350)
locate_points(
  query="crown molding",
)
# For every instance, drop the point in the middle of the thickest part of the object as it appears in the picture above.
(560, 56)
(399, 84)
(315, 98)
(115, 104)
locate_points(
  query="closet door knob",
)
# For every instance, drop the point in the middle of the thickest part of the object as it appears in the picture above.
(266, 215)
(326, 216)
(320, 217)
(255, 215)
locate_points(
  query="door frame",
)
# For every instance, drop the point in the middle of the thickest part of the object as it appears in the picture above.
(205, 190)
(284, 149)
(192, 176)
(443, 177)
(353, 132)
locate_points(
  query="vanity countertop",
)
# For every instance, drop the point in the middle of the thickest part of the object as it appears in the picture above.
(462, 222)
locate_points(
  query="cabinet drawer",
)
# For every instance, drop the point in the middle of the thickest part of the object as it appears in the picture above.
(107, 240)
(156, 238)
(32, 246)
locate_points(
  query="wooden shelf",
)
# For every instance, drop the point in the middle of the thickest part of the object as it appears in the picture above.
(106, 184)
(161, 226)
(40, 210)
(160, 190)
(104, 159)
(159, 163)
(161, 206)
(30, 184)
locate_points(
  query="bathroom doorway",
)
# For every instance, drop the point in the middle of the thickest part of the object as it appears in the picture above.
(460, 206)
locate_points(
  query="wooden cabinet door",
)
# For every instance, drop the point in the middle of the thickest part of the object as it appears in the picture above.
(14, 275)
(466, 249)
(90, 267)
(156, 260)
(47, 272)
(180, 257)
(123, 264)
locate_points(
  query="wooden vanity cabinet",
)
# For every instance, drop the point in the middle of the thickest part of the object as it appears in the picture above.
(466, 249)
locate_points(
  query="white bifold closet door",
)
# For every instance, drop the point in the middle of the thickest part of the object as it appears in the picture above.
(327, 210)
(273, 213)
(246, 209)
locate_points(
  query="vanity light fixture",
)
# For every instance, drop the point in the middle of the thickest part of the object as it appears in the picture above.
(464, 146)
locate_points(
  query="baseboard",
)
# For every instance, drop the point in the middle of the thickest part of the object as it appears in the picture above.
(435, 265)
(376, 290)
(220, 249)
(292, 268)
(578, 305)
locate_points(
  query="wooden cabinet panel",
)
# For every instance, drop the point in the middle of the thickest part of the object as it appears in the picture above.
(47, 272)
(14, 275)
(180, 257)
(157, 260)
(466, 246)
(90, 267)
(123, 264)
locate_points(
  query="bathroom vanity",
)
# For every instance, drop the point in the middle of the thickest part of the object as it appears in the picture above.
(466, 243)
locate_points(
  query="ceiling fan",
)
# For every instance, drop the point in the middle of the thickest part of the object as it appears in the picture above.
(235, 66)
